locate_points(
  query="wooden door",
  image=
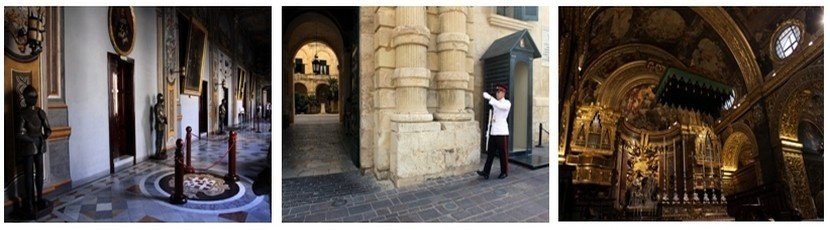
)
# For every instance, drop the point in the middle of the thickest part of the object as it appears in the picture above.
(121, 109)
(203, 109)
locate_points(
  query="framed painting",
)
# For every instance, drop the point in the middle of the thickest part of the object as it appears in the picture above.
(240, 83)
(121, 21)
(196, 48)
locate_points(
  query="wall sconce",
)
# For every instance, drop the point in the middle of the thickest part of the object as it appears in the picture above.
(182, 71)
(316, 65)
(217, 84)
(35, 29)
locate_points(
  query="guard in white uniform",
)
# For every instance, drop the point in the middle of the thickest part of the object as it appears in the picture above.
(498, 132)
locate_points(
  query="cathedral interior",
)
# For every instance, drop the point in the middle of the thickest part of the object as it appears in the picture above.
(691, 113)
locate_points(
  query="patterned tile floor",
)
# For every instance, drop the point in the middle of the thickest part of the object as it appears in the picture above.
(133, 194)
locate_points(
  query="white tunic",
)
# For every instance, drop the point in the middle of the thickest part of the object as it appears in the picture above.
(501, 108)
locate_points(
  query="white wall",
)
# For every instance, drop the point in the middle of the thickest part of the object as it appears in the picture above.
(86, 46)
(190, 104)
(145, 82)
(190, 114)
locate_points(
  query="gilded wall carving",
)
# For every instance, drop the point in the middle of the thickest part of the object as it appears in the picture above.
(731, 150)
(784, 106)
(797, 179)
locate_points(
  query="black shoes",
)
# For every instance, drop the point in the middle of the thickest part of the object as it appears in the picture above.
(485, 175)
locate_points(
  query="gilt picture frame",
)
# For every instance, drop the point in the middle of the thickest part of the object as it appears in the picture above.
(121, 23)
(196, 49)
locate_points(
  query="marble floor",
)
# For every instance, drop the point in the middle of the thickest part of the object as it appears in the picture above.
(133, 194)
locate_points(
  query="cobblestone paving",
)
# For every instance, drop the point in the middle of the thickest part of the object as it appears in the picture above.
(315, 145)
(350, 197)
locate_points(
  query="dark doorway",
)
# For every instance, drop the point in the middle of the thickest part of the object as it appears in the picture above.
(225, 96)
(203, 110)
(121, 109)
(302, 114)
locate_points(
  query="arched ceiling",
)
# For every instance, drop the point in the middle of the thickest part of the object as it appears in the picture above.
(759, 23)
(730, 45)
(679, 31)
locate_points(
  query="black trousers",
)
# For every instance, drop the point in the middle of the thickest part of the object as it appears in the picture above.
(497, 145)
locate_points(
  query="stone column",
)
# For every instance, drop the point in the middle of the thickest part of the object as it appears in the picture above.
(470, 66)
(384, 102)
(453, 79)
(411, 77)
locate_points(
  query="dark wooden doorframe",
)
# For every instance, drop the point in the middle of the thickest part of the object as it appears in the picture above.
(203, 110)
(121, 108)
(227, 112)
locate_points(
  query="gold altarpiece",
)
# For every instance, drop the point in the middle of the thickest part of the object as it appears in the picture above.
(673, 173)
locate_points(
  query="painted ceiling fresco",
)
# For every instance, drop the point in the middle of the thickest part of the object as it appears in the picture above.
(678, 31)
(759, 24)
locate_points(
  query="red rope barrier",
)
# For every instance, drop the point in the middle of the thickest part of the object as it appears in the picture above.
(227, 151)
(219, 160)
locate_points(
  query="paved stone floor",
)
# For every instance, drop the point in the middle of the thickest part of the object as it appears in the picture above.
(132, 194)
(350, 197)
(315, 145)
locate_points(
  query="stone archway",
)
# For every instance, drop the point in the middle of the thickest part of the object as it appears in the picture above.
(788, 113)
(740, 154)
(331, 34)
(298, 33)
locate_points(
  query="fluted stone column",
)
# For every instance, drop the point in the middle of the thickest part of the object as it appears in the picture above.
(470, 65)
(453, 79)
(421, 148)
(384, 102)
(411, 77)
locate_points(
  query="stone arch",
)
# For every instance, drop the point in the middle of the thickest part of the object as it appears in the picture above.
(632, 73)
(611, 58)
(614, 90)
(739, 157)
(321, 91)
(726, 28)
(740, 137)
(296, 34)
(799, 89)
(736, 42)
(787, 113)
(300, 88)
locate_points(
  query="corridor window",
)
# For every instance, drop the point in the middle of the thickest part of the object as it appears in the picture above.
(299, 67)
(786, 40)
(324, 67)
(524, 13)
